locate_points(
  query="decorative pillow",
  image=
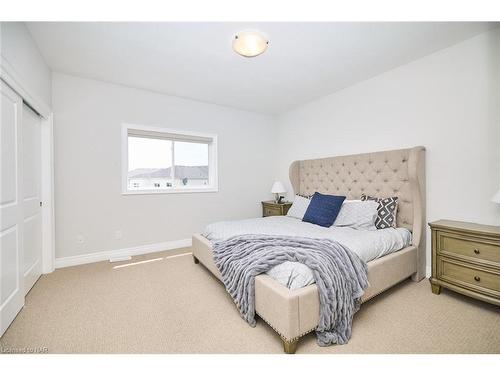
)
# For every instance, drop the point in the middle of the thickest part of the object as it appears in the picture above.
(299, 207)
(387, 210)
(357, 214)
(323, 209)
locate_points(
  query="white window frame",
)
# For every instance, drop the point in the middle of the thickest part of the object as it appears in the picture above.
(174, 135)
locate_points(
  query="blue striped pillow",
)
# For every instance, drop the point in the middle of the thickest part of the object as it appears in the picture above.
(323, 209)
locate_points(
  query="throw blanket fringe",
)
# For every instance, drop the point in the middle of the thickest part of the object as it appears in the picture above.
(340, 275)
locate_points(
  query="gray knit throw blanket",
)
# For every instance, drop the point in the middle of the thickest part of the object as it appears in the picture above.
(340, 275)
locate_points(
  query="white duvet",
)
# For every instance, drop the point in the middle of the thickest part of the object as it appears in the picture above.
(367, 244)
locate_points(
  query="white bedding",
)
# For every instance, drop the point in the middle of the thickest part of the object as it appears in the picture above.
(367, 244)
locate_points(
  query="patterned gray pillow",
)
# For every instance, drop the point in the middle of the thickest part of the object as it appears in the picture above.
(387, 211)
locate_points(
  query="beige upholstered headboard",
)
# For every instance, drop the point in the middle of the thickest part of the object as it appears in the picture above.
(399, 173)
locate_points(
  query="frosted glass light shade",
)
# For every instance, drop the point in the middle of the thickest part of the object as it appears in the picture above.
(496, 197)
(249, 43)
(278, 188)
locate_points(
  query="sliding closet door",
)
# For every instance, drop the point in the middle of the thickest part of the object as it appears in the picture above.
(32, 211)
(11, 208)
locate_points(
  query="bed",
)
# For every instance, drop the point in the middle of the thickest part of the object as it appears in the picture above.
(294, 313)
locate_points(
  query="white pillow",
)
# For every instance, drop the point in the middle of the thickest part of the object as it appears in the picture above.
(357, 214)
(299, 207)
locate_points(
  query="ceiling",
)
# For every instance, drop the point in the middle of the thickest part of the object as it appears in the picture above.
(194, 60)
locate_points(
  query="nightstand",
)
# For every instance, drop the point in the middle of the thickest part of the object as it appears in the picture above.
(270, 208)
(466, 259)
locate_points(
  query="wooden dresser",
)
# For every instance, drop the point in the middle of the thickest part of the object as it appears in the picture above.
(466, 259)
(270, 208)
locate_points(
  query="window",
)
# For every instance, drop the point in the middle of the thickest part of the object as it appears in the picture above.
(168, 161)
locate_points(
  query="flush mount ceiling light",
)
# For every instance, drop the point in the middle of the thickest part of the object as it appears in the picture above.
(249, 43)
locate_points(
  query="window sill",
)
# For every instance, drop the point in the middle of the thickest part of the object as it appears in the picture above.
(170, 191)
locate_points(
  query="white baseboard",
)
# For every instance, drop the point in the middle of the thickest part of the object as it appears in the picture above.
(130, 251)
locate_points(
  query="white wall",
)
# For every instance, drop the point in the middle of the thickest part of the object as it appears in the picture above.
(21, 52)
(448, 101)
(87, 124)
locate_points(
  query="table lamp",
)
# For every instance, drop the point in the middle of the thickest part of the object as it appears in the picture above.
(277, 189)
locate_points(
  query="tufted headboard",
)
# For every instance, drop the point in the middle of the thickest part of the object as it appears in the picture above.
(398, 173)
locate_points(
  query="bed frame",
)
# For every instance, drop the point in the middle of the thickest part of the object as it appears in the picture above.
(294, 313)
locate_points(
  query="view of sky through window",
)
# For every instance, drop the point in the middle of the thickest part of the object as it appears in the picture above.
(157, 153)
(149, 153)
(191, 154)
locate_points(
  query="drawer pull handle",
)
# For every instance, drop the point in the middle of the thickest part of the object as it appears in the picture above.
(476, 251)
(477, 278)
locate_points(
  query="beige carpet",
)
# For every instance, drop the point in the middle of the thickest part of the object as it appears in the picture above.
(171, 305)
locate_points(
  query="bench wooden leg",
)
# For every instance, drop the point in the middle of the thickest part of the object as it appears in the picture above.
(195, 260)
(289, 346)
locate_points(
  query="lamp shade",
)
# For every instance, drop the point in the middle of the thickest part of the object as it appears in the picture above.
(496, 197)
(278, 188)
